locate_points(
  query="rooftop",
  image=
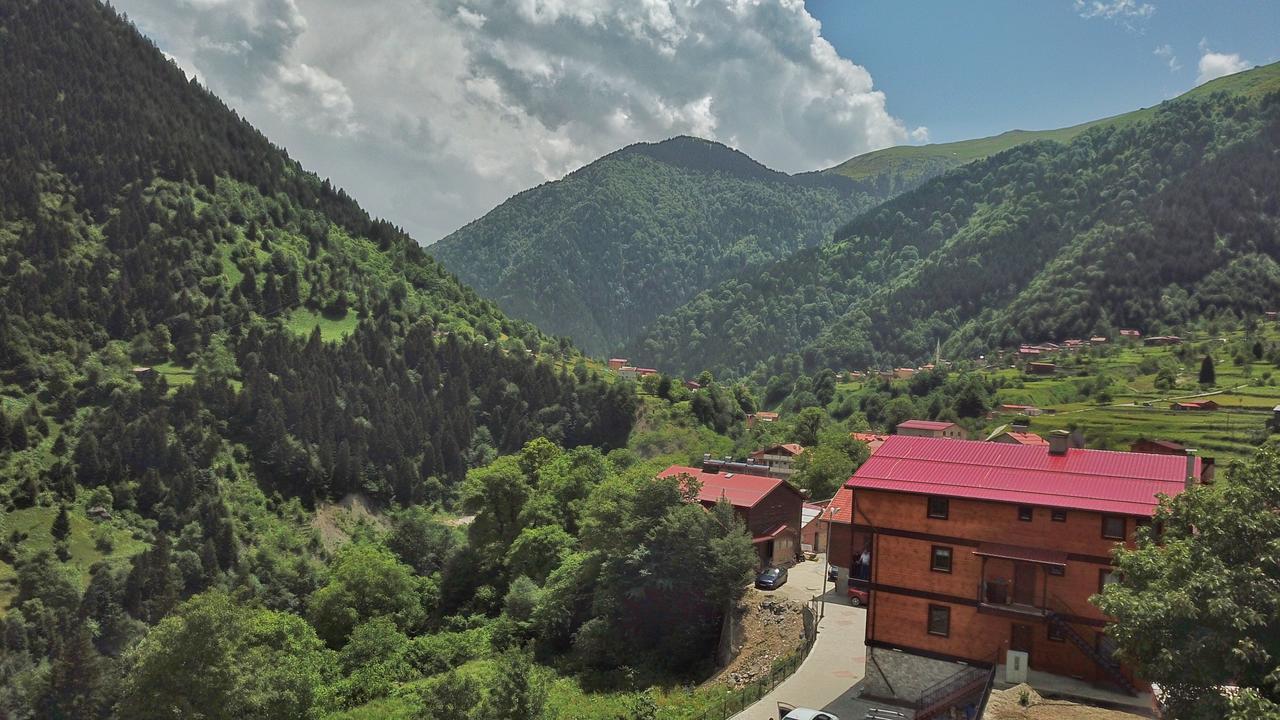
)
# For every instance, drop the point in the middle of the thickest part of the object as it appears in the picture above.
(924, 425)
(1097, 480)
(740, 489)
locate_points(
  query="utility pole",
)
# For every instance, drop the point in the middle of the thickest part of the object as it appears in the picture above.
(826, 570)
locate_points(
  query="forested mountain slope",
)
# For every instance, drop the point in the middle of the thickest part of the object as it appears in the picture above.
(599, 253)
(164, 273)
(1146, 222)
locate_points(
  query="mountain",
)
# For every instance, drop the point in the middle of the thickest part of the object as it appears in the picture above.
(598, 254)
(200, 339)
(1147, 219)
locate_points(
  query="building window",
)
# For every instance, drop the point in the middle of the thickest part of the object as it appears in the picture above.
(939, 620)
(1057, 570)
(1059, 515)
(941, 559)
(1026, 513)
(938, 507)
(1113, 527)
(1105, 578)
(1056, 634)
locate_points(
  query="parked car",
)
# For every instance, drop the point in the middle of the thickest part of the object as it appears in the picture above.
(833, 574)
(788, 712)
(858, 597)
(771, 578)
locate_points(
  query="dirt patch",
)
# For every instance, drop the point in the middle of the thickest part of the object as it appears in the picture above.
(1022, 702)
(337, 522)
(770, 627)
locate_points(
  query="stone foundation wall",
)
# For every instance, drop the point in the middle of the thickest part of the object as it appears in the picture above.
(902, 677)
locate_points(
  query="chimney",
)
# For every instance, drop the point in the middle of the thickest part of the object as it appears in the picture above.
(1058, 442)
(1191, 469)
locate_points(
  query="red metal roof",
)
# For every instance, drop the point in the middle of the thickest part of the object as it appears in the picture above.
(775, 532)
(741, 490)
(1097, 480)
(924, 425)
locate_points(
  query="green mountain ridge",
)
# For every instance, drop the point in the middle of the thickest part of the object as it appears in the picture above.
(1144, 219)
(598, 254)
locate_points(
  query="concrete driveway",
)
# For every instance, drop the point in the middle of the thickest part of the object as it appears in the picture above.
(835, 664)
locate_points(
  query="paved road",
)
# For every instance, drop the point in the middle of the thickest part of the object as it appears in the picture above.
(835, 664)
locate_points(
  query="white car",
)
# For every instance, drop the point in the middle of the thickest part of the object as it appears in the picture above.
(807, 714)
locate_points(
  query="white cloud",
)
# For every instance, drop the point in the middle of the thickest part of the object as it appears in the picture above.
(1166, 52)
(1129, 14)
(432, 113)
(1214, 65)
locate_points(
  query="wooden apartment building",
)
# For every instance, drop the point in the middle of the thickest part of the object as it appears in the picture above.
(976, 549)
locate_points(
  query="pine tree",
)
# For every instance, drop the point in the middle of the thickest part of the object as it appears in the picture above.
(61, 525)
(1208, 375)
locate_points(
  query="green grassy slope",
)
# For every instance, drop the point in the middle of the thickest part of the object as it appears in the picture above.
(914, 160)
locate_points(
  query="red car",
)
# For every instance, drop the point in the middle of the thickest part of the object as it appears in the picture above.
(858, 596)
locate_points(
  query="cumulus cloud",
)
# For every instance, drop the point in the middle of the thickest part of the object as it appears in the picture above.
(1214, 65)
(1166, 53)
(432, 113)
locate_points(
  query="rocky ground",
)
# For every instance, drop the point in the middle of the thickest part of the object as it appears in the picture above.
(771, 627)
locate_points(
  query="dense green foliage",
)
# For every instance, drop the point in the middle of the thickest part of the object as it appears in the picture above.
(598, 254)
(1198, 604)
(1147, 223)
(171, 404)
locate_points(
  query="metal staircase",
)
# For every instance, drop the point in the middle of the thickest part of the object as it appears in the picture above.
(1102, 660)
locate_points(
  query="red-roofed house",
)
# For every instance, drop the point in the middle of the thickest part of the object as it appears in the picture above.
(1130, 333)
(770, 507)
(780, 459)
(978, 550)
(1028, 410)
(616, 364)
(932, 428)
(873, 440)
(1198, 405)
(1017, 437)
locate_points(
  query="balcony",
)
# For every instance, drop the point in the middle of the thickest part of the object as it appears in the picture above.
(1014, 580)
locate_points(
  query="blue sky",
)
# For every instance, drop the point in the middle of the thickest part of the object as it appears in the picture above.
(974, 69)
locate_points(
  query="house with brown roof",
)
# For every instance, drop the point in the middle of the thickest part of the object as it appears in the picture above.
(1042, 368)
(779, 459)
(772, 509)
(761, 417)
(1015, 436)
(932, 428)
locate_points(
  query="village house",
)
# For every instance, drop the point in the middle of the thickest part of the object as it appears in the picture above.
(772, 509)
(932, 428)
(1028, 410)
(1130, 333)
(873, 440)
(692, 385)
(144, 373)
(616, 364)
(761, 417)
(811, 540)
(1162, 340)
(779, 459)
(1042, 368)
(1016, 435)
(982, 553)
(903, 373)
(1194, 406)
(1097, 340)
